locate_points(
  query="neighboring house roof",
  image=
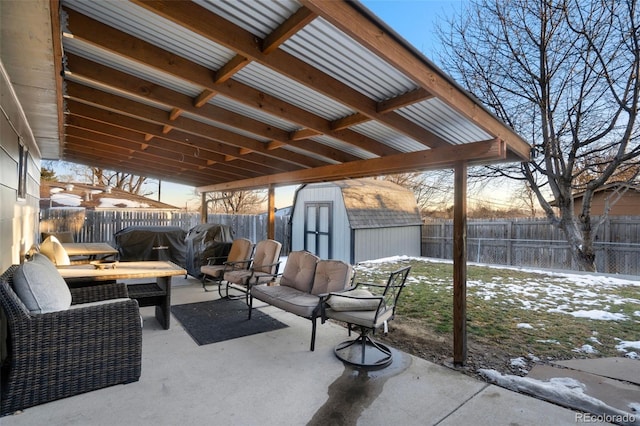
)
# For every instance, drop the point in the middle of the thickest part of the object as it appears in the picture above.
(372, 203)
(612, 187)
(93, 197)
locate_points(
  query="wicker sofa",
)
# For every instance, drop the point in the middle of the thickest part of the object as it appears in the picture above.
(94, 343)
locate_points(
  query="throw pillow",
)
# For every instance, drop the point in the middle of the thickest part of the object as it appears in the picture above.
(338, 303)
(40, 286)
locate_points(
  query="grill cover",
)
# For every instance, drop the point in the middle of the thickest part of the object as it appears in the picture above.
(152, 243)
(204, 241)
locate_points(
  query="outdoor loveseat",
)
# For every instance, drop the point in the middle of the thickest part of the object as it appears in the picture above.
(61, 342)
(304, 283)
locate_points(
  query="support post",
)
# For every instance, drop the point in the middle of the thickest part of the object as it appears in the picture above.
(271, 214)
(460, 265)
(204, 208)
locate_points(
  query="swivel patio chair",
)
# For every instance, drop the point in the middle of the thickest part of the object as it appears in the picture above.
(262, 268)
(238, 258)
(367, 312)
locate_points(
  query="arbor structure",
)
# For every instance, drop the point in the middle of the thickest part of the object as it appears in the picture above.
(564, 73)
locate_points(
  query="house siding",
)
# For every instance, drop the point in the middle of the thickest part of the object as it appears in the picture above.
(18, 217)
(386, 242)
(627, 205)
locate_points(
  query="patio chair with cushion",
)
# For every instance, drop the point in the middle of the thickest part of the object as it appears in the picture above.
(53, 249)
(263, 267)
(239, 257)
(303, 296)
(62, 342)
(363, 309)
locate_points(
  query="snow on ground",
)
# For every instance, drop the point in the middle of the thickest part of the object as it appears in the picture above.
(565, 391)
(577, 295)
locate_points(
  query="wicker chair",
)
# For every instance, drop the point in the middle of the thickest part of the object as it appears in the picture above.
(59, 354)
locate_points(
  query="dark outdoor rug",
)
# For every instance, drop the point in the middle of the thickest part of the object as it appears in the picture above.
(219, 320)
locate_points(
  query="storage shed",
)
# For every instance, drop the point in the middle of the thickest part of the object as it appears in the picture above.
(355, 220)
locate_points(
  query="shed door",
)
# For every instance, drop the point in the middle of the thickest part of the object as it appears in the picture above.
(318, 224)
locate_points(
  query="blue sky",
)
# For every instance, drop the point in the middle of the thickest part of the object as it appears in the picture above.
(414, 20)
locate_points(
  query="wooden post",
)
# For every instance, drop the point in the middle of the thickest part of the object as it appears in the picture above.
(204, 208)
(271, 214)
(460, 265)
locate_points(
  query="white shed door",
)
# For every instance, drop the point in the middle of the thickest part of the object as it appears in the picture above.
(317, 228)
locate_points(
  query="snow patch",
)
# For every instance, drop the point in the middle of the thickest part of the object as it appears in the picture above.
(561, 390)
(524, 325)
(587, 349)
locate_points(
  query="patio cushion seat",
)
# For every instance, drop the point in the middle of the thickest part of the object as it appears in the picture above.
(356, 300)
(287, 298)
(40, 287)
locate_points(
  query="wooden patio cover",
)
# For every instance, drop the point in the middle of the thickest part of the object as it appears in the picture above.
(244, 94)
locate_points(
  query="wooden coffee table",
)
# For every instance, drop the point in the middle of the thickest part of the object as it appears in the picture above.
(156, 293)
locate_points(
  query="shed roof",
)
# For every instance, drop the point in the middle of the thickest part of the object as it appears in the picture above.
(372, 203)
(240, 94)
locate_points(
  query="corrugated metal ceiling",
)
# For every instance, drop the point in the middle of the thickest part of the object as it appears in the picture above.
(271, 92)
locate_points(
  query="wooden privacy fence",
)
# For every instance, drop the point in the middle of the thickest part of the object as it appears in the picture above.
(517, 242)
(100, 226)
(537, 243)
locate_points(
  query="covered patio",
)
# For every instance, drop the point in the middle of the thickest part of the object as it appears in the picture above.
(245, 94)
(273, 379)
(237, 95)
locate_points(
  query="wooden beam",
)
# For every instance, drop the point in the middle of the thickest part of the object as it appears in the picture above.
(230, 68)
(219, 30)
(204, 97)
(353, 22)
(408, 98)
(120, 43)
(147, 113)
(137, 87)
(445, 157)
(460, 265)
(348, 121)
(303, 134)
(292, 25)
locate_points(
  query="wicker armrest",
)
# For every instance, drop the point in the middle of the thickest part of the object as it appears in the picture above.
(95, 293)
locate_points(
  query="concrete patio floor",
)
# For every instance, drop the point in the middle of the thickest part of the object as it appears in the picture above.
(273, 379)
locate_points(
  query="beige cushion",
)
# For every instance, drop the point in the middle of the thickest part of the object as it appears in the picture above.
(299, 271)
(240, 250)
(40, 286)
(52, 248)
(353, 303)
(267, 253)
(331, 276)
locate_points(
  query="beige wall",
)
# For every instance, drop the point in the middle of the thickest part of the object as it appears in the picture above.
(18, 216)
(627, 205)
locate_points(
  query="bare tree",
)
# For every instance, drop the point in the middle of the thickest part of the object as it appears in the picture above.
(126, 181)
(565, 74)
(238, 202)
(433, 190)
(524, 198)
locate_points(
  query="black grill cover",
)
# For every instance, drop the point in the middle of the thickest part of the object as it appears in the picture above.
(204, 241)
(152, 243)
